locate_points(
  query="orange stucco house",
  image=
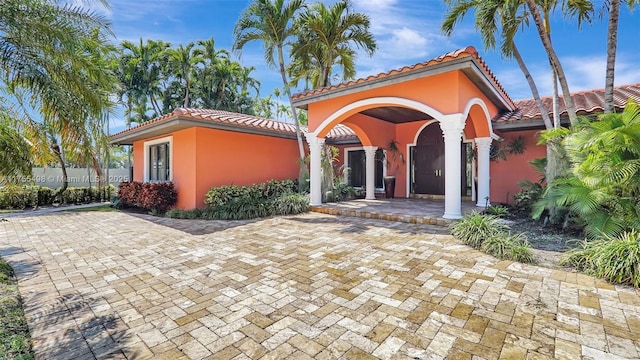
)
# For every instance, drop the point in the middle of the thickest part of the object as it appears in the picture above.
(442, 115)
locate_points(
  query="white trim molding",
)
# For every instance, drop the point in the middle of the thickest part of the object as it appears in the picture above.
(380, 101)
(147, 145)
(481, 103)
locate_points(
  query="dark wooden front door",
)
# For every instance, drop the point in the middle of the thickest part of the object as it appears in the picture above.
(428, 157)
(428, 162)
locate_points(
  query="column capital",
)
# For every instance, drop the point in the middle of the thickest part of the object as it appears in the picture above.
(370, 149)
(483, 143)
(313, 140)
(452, 126)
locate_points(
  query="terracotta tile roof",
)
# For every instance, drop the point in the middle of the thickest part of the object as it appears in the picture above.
(235, 119)
(469, 51)
(585, 101)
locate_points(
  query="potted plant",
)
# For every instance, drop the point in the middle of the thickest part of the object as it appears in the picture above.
(394, 158)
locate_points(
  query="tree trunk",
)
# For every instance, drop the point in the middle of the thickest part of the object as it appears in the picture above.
(99, 174)
(557, 165)
(186, 94)
(612, 43)
(555, 61)
(155, 105)
(532, 85)
(556, 99)
(283, 73)
(65, 182)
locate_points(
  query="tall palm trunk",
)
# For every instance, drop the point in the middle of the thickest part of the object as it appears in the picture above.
(612, 43)
(555, 101)
(283, 73)
(57, 152)
(555, 61)
(154, 104)
(186, 94)
(534, 89)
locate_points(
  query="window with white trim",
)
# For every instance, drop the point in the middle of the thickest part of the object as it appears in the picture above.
(158, 159)
(159, 162)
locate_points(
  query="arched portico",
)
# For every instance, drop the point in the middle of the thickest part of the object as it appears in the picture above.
(455, 91)
(451, 125)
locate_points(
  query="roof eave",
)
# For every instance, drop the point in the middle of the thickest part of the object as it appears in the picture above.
(468, 63)
(177, 123)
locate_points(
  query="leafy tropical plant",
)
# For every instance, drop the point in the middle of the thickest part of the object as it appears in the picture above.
(603, 188)
(474, 228)
(616, 259)
(510, 247)
(497, 210)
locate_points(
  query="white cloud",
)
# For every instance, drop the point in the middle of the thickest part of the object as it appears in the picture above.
(583, 73)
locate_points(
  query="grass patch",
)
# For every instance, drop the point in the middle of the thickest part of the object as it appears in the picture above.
(15, 342)
(8, 211)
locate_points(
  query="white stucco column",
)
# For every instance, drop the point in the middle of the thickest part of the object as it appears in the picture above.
(452, 126)
(370, 163)
(315, 150)
(484, 148)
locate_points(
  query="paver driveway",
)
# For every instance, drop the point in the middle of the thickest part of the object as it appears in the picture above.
(114, 285)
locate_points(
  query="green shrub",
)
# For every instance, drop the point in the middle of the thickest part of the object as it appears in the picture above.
(289, 204)
(271, 189)
(245, 208)
(531, 192)
(617, 260)
(508, 246)
(497, 210)
(22, 197)
(474, 228)
(343, 192)
(241, 208)
(498, 245)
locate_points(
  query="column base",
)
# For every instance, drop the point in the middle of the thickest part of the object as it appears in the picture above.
(452, 216)
(483, 205)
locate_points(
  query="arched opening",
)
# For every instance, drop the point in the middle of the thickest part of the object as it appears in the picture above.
(427, 159)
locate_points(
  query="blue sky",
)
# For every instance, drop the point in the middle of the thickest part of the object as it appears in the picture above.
(407, 31)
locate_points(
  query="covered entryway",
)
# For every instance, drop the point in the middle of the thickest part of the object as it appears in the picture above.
(419, 116)
(427, 164)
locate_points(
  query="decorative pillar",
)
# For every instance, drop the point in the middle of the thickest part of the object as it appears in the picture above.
(484, 148)
(315, 151)
(370, 183)
(452, 127)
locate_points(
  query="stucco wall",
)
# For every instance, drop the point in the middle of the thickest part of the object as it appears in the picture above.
(225, 157)
(505, 174)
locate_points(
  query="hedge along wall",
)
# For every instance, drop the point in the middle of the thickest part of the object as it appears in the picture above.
(31, 196)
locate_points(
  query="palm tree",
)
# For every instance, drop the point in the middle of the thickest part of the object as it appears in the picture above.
(141, 67)
(603, 188)
(493, 17)
(182, 62)
(326, 38)
(270, 21)
(17, 160)
(52, 60)
(612, 44)
(583, 11)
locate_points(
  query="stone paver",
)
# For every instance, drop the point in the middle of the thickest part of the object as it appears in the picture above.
(115, 285)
